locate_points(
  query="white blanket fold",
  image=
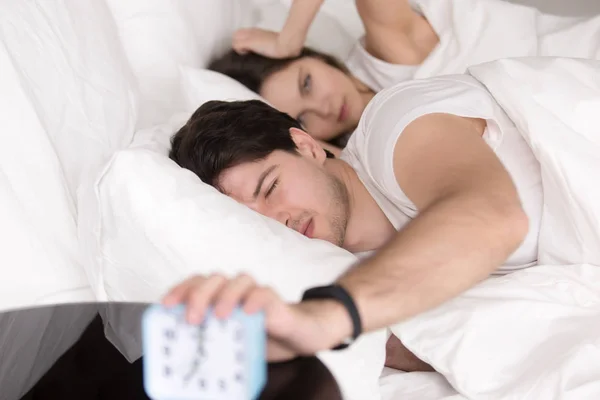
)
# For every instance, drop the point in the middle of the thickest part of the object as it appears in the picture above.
(534, 334)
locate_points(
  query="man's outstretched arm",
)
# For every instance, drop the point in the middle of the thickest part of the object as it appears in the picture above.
(470, 221)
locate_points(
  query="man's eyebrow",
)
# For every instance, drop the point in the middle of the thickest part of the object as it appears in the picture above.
(261, 180)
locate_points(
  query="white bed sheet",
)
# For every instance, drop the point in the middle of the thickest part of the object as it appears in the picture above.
(396, 385)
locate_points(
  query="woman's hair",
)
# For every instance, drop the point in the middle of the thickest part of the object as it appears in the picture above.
(252, 69)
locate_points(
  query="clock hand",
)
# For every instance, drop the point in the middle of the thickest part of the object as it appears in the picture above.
(197, 361)
(190, 374)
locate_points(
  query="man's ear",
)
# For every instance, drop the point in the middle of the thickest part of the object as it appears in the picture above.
(307, 145)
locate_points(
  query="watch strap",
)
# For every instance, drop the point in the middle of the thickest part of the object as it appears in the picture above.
(338, 293)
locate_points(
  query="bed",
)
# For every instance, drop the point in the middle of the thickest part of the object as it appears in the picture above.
(90, 93)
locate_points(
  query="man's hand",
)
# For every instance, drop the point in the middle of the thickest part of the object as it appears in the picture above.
(293, 329)
(266, 43)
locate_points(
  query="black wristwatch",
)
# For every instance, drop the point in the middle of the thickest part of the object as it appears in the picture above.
(338, 293)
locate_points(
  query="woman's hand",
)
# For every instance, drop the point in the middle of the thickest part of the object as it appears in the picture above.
(264, 42)
(292, 329)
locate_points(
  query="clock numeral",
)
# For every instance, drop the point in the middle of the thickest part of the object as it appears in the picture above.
(170, 334)
(202, 383)
(167, 371)
(239, 377)
(222, 385)
(167, 351)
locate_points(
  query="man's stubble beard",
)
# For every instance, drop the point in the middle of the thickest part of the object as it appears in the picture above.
(339, 210)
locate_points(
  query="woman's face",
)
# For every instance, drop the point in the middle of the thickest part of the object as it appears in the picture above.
(324, 99)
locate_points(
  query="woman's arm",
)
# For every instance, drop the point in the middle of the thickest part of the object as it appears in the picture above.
(395, 33)
(287, 43)
(294, 32)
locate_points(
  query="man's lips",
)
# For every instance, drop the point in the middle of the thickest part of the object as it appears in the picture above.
(308, 228)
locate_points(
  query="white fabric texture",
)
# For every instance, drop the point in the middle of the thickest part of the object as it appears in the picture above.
(202, 85)
(534, 333)
(555, 103)
(371, 148)
(477, 31)
(68, 62)
(67, 102)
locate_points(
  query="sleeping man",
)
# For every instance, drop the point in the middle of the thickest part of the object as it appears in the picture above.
(436, 186)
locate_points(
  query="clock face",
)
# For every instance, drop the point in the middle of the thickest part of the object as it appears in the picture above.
(204, 361)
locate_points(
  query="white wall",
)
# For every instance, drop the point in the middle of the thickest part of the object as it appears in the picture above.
(564, 7)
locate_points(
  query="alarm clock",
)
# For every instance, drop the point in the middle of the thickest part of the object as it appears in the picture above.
(218, 359)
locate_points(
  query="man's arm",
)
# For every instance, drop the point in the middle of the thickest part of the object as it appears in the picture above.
(470, 221)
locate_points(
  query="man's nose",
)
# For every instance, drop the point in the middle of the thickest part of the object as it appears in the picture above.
(275, 213)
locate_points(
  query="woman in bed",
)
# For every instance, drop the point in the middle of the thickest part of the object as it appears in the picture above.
(403, 41)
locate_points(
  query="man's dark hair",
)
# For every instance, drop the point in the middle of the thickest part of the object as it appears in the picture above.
(221, 135)
(252, 69)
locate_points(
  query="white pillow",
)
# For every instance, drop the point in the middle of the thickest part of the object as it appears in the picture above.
(67, 103)
(73, 71)
(161, 35)
(202, 85)
(39, 257)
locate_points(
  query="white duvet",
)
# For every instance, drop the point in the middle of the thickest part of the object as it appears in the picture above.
(534, 334)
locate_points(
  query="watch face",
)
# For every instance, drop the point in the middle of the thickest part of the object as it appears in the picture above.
(206, 361)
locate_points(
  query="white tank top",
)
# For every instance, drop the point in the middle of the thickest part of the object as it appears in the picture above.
(371, 147)
(475, 31)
